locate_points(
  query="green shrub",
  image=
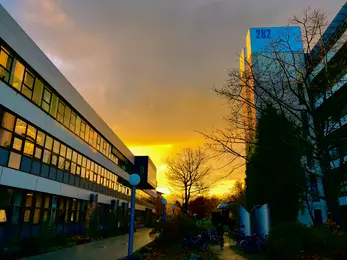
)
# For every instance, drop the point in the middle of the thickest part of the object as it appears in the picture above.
(291, 240)
(287, 240)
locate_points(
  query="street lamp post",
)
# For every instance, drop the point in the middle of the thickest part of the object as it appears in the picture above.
(164, 207)
(134, 180)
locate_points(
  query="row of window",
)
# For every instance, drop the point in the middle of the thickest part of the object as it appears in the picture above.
(28, 83)
(22, 138)
(19, 206)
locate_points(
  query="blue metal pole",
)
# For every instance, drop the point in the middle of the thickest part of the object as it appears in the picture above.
(132, 222)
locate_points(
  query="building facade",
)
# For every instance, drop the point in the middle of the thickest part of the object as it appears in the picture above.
(59, 161)
(269, 68)
(327, 76)
(325, 69)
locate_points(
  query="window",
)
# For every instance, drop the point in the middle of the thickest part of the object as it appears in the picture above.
(38, 153)
(37, 211)
(14, 161)
(40, 138)
(8, 121)
(46, 156)
(63, 150)
(49, 142)
(94, 138)
(18, 75)
(86, 137)
(98, 142)
(5, 64)
(29, 148)
(68, 153)
(17, 144)
(38, 89)
(83, 129)
(61, 163)
(5, 138)
(31, 133)
(46, 100)
(28, 205)
(78, 125)
(74, 156)
(61, 109)
(54, 159)
(28, 84)
(56, 147)
(73, 122)
(91, 134)
(67, 114)
(54, 105)
(20, 127)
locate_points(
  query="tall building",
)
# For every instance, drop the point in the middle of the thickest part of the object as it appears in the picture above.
(59, 161)
(325, 67)
(327, 75)
(269, 68)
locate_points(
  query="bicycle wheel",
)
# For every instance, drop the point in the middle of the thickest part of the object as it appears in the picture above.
(243, 244)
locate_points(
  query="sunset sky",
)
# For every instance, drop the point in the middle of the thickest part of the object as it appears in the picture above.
(147, 66)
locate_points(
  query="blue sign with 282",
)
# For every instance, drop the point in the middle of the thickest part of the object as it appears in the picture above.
(262, 37)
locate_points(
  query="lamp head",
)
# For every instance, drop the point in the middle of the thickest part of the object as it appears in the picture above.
(134, 179)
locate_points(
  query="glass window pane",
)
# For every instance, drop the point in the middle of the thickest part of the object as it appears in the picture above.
(46, 157)
(67, 165)
(74, 156)
(5, 59)
(61, 163)
(29, 80)
(27, 91)
(28, 147)
(61, 109)
(86, 137)
(68, 153)
(54, 105)
(40, 138)
(73, 168)
(17, 76)
(17, 144)
(84, 161)
(63, 150)
(54, 159)
(67, 115)
(38, 89)
(36, 216)
(49, 142)
(72, 121)
(83, 172)
(38, 152)
(38, 200)
(27, 216)
(14, 161)
(31, 132)
(83, 129)
(8, 121)
(56, 147)
(47, 95)
(79, 159)
(5, 138)
(45, 106)
(21, 127)
(78, 125)
(47, 202)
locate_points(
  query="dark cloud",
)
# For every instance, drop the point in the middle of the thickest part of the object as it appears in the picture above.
(147, 66)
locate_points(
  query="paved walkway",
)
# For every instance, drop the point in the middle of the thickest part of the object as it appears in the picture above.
(106, 249)
(227, 253)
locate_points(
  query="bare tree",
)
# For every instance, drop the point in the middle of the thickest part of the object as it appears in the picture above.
(187, 174)
(282, 76)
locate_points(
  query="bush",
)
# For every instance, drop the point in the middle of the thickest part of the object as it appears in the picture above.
(292, 240)
(287, 240)
(169, 232)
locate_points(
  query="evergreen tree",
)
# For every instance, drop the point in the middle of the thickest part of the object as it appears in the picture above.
(274, 172)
